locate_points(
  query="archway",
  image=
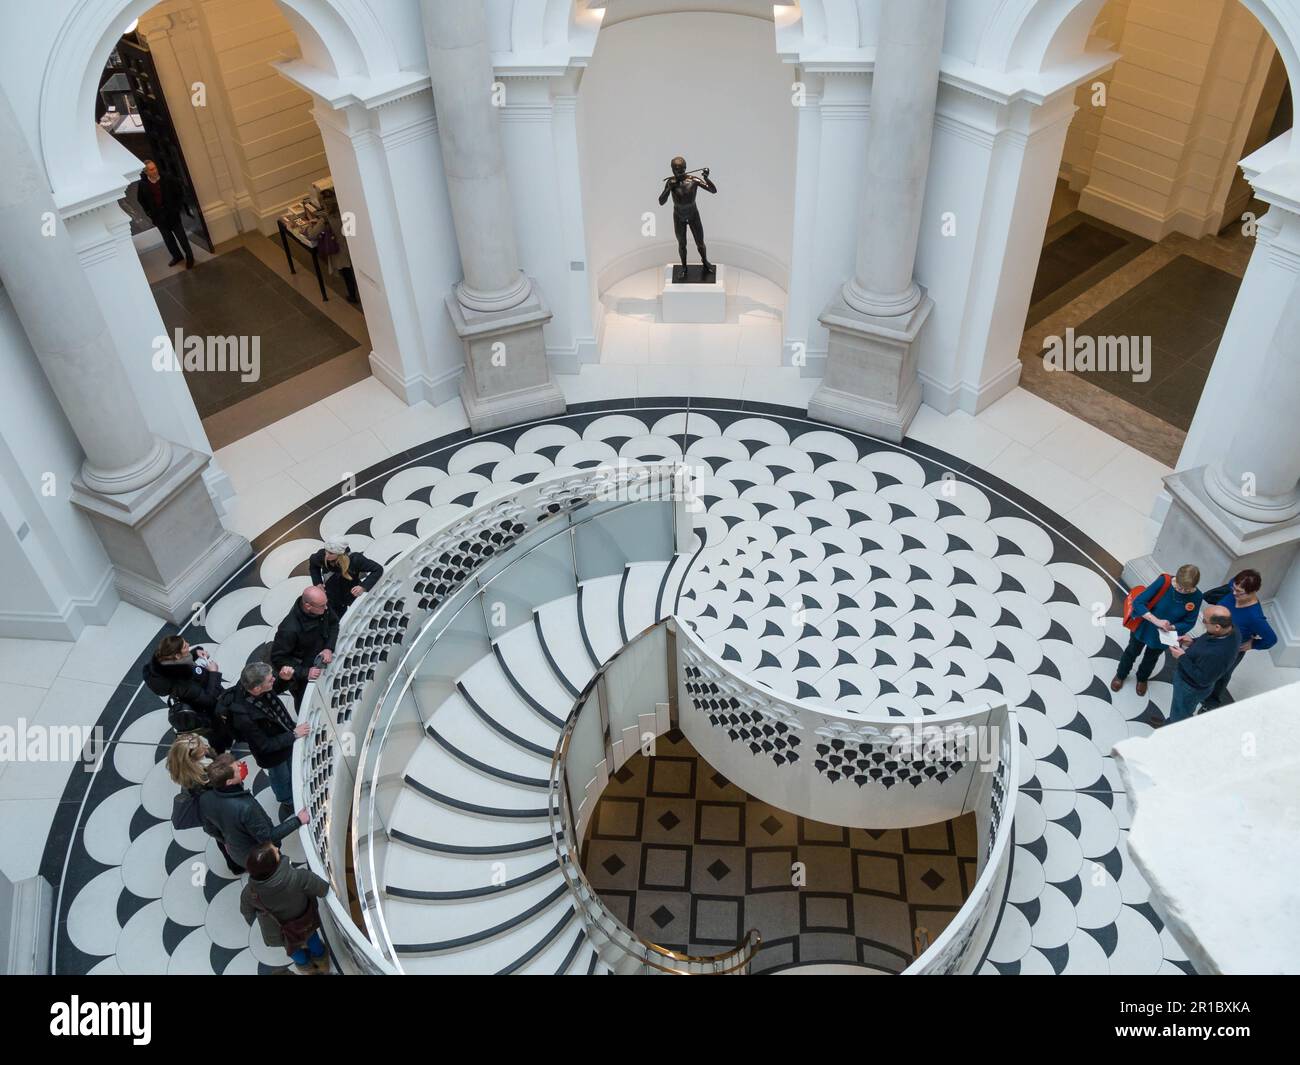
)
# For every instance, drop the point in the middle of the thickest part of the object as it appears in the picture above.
(1149, 239)
(346, 59)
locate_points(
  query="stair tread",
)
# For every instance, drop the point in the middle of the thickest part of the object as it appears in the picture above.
(456, 721)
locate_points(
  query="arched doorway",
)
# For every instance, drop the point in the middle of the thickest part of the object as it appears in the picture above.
(347, 64)
(1170, 274)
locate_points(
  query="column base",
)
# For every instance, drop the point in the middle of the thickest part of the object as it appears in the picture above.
(507, 378)
(165, 540)
(870, 384)
(1197, 530)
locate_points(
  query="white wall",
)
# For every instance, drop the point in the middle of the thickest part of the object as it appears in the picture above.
(705, 86)
(58, 577)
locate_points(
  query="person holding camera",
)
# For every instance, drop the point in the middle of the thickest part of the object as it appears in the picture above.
(190, 681)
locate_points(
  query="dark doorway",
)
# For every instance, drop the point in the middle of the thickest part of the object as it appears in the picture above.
(132, 108)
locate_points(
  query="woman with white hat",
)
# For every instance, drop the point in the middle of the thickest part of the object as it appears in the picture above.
(343, 574)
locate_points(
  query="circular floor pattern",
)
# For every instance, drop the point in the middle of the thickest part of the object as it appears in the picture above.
(833, 567)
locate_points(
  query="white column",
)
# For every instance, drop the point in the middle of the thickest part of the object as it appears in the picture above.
(108, 257)
(497, 310)
(54, 302)
(1258, 474)
(144, 496)
(904, 89)
(460, 70)
(387, 172)
(581, 286)
(871, 383)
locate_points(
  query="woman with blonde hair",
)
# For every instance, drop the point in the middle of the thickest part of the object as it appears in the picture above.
(187, 761)
(343, 574)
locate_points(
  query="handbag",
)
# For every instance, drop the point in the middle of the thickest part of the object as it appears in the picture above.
(1130, 621)
(297, 930)
(327, 244)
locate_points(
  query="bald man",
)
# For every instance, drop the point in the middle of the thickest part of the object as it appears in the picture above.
(304, 643)
(1201, 662)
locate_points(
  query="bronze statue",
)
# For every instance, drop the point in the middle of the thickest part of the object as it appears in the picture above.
(682, 187)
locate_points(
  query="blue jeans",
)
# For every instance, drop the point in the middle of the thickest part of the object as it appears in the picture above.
(282, 781)
(314, 945)
(1186, 699)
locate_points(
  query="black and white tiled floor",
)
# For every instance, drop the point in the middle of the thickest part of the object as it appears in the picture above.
(835, 567)
(688, 860)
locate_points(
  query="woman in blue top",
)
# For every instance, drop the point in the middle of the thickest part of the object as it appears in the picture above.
(1241, 597)
(1174, 610)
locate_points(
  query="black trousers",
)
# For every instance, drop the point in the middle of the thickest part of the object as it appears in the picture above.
(680, 225)
(174, 236)
(1150, 656)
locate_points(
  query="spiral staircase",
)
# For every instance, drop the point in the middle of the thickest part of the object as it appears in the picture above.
(481, 696)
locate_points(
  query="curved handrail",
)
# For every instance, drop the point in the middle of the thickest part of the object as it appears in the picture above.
(729, 962)
(949, 949)
(386, 705)
(342, 700)
(381, 618)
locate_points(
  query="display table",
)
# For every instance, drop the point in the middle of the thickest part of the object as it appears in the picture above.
(288, 230)
(691, 301)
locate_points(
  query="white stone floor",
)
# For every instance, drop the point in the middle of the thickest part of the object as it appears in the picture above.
(1097, 483)
(635, 335)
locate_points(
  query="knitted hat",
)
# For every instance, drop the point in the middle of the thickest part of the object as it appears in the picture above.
(336, 547)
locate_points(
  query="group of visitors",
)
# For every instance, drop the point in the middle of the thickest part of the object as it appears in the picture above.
(1161, 617)
(209, 720)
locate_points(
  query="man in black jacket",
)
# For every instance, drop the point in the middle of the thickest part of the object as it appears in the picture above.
(1203, 661)
(259, 718)
(304, 643)
(234, 816)
(188, 678)
(343, 574)
(162, 199)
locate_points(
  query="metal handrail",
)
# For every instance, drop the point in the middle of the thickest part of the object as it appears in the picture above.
(443, 616)
(323, 754)
(733, 961)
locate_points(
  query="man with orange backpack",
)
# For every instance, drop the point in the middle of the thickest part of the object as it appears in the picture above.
(1167, 604)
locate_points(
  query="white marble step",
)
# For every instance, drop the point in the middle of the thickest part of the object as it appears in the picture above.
(432, 766)
(549, 961)
(600, 615)
(465, 730)
(415, 869)
(488, 956)
(639, 596)
(489, 688)
(420, 922)
(421, 817)
(522, 653)
(562, 638)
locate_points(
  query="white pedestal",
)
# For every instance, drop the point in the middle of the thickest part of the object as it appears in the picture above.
(694, 303)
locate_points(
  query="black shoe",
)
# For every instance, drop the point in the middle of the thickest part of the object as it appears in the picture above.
(174, 261)
(189, 263)
(286, 811)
